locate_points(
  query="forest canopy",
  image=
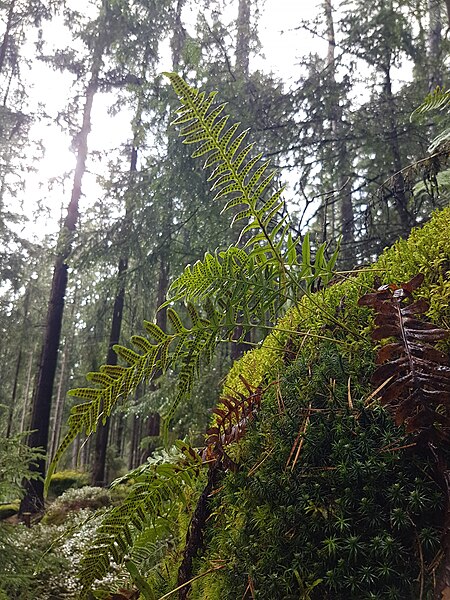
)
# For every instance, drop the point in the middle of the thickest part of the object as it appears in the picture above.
(242, 263)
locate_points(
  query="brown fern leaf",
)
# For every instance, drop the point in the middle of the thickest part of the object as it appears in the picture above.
(234, 413)
(418, 391)
(233, 416)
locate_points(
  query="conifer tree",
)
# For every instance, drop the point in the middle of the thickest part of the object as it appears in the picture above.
(33, 500)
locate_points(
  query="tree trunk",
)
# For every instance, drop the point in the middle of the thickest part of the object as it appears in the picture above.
(243, 39)
(33, 500)
(134, 445)
(62, 385)
(178, 37)
(400, 193)
(340, 149)
(101, 436)
(75, 452)
(14, 394)
(59, 404)
(18, 363)
(26, 395)
(5, 41)
(434, 44)
(153, 426)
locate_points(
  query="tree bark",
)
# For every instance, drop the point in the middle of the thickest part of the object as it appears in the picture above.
(26, 402)
(434, 44)
(340, 149)
(134, 445)
(5, 41)
(101, 436)
(33, 500)
(18, 364)
(243, 39)
(400, 193)
(59, 404)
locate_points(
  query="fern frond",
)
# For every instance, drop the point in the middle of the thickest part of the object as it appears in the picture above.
(149, 504)
(438, 99)
(413, 374)
(244, 180)
(239, 287)
(232, 417)
(183, 348)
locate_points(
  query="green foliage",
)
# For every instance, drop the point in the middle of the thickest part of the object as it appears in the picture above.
(300, 329)
(133, 528)
(75, 499)
(29, 568)
(252, 286)
(16, 458)
(438, 99)
(328, 502)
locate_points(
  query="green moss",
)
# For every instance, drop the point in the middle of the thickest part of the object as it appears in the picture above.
(339, 516)
(8, 510)
(330, 502)
(63, 480)
(333, 312)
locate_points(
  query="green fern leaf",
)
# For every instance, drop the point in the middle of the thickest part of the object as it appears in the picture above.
(145, 507)
(438, 99)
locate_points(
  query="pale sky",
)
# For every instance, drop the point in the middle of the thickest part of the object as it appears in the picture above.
(282, 45)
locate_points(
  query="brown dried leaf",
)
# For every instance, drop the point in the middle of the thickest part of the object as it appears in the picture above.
(385, 371)
(414, 283)
(416, 308)
(385, 331)
(388, 352)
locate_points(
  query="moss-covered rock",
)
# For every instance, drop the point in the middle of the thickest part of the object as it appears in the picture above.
(9, 509)
(333, 313)
(64, 480)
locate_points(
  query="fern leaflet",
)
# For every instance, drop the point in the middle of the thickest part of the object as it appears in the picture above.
(149, 504)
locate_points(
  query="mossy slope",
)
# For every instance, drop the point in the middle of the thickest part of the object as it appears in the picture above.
(330, 501)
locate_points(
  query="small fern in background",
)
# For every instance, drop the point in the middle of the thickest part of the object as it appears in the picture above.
(131, 530)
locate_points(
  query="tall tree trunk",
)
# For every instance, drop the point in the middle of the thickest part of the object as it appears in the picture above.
(179, 36)
(26, 395)
(434, 44)
(62, 384)
(399, 191)
(101, 436)
(153, 421)
(75, 452)
(134, 445)
(33, 500)
(5, 40)
(18, 363)
(152, 424)
(243, 39)
(340, 149)
(14, 393)
(59, 404)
